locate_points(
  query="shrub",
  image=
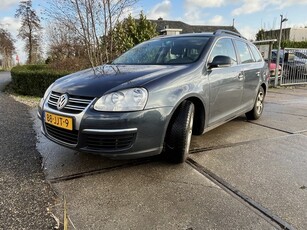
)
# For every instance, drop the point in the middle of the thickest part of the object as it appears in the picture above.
(69, 64)
(33, 80)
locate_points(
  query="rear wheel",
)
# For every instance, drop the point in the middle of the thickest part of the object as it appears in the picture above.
(256, 112)
(178, 137)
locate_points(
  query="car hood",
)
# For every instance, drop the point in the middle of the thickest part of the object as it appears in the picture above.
(97, 81)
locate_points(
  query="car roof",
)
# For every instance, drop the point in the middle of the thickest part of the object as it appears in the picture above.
(185, 35)
(218, 33)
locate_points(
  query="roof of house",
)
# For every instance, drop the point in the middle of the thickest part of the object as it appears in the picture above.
(186, 28)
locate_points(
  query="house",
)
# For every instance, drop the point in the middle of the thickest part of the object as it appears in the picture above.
(290, 34)
(167, 27)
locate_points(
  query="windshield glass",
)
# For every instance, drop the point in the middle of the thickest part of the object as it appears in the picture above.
(164, 51)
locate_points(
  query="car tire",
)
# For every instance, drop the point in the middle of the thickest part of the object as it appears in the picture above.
(178, 138)
(257, 110)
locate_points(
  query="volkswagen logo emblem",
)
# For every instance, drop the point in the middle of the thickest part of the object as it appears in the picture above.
(62, 101)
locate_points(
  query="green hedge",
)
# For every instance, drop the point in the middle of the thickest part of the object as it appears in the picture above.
(293, 44)
(33, 80)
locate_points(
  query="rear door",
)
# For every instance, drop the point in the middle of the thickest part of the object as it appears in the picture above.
(226, 84)
(252, 67)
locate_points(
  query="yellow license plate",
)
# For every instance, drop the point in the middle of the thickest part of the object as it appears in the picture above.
(59, 121)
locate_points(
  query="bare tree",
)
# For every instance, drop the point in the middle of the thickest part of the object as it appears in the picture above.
(91, 20)
(66, 49)
(29, 30)
(63, 42)
(7, 49)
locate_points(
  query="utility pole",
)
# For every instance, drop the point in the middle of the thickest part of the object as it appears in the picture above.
(282, 19)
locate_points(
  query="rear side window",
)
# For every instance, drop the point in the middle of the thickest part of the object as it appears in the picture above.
(256, 53)
(244, 52)
(224, 47)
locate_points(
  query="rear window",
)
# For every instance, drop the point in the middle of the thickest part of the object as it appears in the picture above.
(256, 53)
(244, 52)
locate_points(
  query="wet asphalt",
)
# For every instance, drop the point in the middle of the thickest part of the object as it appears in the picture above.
(24, 193)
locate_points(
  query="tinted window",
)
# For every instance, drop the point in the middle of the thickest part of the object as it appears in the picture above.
(224, 47)
(244, 52)
(165, 51)
(301, 55)
(256, 53)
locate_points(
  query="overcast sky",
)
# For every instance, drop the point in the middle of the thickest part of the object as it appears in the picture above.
(249, 15)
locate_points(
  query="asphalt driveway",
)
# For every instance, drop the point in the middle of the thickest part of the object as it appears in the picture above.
(5, 78)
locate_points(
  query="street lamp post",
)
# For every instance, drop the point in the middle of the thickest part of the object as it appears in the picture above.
(282, 19)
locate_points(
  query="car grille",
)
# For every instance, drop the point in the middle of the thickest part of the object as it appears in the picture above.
(76, 104)
(67, 136)
(110, 142)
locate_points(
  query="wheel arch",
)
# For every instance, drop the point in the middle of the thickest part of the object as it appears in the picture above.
(199, 114)
(264, 86)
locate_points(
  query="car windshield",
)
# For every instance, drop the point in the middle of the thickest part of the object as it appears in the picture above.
(164, 51)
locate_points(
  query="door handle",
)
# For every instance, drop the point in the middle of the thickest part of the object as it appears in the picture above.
(258, 73)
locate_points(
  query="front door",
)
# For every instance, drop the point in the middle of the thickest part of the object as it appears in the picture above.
(226, 84)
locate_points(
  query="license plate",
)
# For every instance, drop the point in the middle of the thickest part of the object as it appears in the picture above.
(59, 121)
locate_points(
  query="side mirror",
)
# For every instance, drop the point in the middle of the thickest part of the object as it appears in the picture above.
(220, 61)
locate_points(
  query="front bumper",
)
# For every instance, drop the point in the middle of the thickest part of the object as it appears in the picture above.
(124, 135)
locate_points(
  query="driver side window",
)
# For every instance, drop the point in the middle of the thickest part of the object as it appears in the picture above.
(224, 47)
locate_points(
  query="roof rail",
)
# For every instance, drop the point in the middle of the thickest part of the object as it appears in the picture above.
(218, 32)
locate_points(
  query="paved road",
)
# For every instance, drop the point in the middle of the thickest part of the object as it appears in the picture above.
(24, 194)
(242, 175)
(5, 78)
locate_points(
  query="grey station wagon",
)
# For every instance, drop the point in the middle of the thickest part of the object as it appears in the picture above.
(151, 99)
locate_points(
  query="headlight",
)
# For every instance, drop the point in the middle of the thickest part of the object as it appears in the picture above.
(47, 91)
(125, 100)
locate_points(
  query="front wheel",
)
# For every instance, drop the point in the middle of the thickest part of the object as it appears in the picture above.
(178, 137)
(256, 112)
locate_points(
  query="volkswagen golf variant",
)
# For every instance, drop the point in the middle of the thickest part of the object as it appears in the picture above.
(152, 98)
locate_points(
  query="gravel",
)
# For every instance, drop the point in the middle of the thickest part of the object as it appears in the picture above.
(24, 194)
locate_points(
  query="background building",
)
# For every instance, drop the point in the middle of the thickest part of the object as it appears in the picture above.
(290, 34)
(166, 27)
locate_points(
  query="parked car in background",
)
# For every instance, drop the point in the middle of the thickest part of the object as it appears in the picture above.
(294, 62)
(273, 70)
(300, 55)
(151, 99)
(274, 56)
